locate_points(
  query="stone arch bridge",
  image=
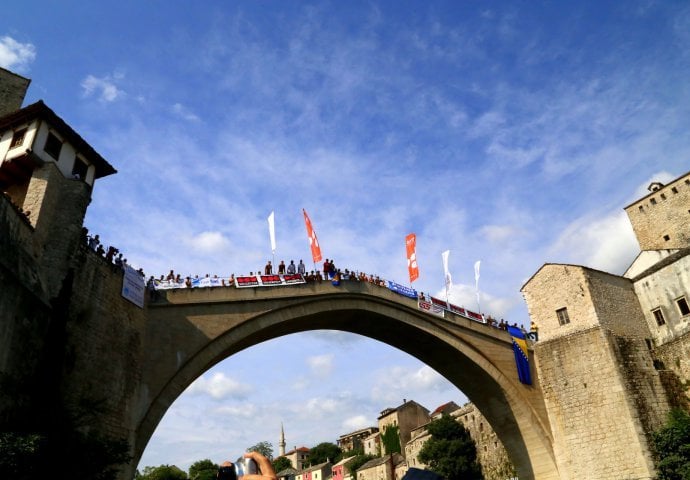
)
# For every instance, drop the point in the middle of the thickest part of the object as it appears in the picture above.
(190, 330)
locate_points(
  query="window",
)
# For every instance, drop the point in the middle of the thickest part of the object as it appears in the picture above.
(674, 189)
(563, 317)
(18, 138)
(683, 306)
(663, 197)
(79, 169)
(652, 201)
(687, 181)
(667, 238)
(659, 316)
(53, 146)
(641, 208)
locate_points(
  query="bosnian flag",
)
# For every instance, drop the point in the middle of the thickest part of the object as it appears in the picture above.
(313, 242)
(411, 246)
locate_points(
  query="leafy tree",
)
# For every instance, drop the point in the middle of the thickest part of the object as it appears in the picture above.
(450, 451)
(264, 448)
(281, 463)
(162, 472)
(203, 470)
(323, 452)
(354, 464)
(672, 444)
(390, 438)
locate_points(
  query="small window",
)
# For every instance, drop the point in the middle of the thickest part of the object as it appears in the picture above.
(641, 208)
(674, 189)
(53, 146)
(667, 238)
(683, 306)
(80, 168)
(563, 317)
(18, 138)
(652, 201)
(687, 181)
(663, 197)
(659, 316)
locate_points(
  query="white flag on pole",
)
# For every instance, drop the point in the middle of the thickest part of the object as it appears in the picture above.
(476, 281)
(446, 273)
(272, 231)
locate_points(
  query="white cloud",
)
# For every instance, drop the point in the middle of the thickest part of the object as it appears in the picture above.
(355, 423)
(321, 365)
(209, 242)
(607, 243)
(185, 113)
(219, 386)
(395, 383)
(104, 88)
(15, 55)
(247, 410)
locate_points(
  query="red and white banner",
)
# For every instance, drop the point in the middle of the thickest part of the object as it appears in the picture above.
(431, 308)
(313, 242)
(411, 245)
(246, 281)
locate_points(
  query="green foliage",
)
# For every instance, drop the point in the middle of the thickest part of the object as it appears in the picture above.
(18, 452)
(359, 450)
(323, 452)
(354, 464)
(281, 463)
(203, 470)
(672, 444)
(450, 451)
(390, 439)
(162, 472)
(34, 455)
(264, 448)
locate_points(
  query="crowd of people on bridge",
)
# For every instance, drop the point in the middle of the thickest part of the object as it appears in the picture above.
(111, 255)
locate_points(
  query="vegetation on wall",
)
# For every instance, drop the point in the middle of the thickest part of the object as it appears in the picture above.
(390, 439)
(450, 451)
(672, 446)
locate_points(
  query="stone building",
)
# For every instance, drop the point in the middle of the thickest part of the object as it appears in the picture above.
(372, 444)
(406, 418)
(382, 468)
(351, 441)
(613, 350)
(491, 454)
(299, 457)
(339, 471)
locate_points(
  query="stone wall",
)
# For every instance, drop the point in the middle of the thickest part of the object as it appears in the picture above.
(12, 91)
(661, 220)
(596, 426)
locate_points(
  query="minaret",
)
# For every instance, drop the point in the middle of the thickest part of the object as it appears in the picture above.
(281, 444)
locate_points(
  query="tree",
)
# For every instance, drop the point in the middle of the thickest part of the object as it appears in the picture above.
(323, 452)
(672, 444)
(281, 463)
(354, 464)
(450, 451)
(203, 470)
(162, 472)
(264, 448)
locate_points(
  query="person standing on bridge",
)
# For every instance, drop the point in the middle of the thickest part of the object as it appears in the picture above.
(268, 270)
(291, 269)
(281, 267)
(301, 269)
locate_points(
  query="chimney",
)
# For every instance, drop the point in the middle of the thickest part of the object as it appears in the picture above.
(12, 91)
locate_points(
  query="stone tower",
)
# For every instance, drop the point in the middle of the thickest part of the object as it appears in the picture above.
(281, 443)
(601, 338)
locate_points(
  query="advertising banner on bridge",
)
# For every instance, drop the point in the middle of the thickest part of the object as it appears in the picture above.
(268, 280)
(133, 286)
(431, 308)
(402, 289)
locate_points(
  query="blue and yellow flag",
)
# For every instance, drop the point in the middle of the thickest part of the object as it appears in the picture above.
(521, 355)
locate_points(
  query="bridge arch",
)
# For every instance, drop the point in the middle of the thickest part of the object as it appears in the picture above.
(478, 360)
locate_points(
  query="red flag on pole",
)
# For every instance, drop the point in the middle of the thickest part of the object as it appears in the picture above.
(313, 242)
(411, 244)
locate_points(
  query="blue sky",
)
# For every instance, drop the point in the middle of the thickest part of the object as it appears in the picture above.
(511, 133)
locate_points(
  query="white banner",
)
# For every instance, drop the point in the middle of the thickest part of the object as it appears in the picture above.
(133, 286)
(431, 308)
(446, 273)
